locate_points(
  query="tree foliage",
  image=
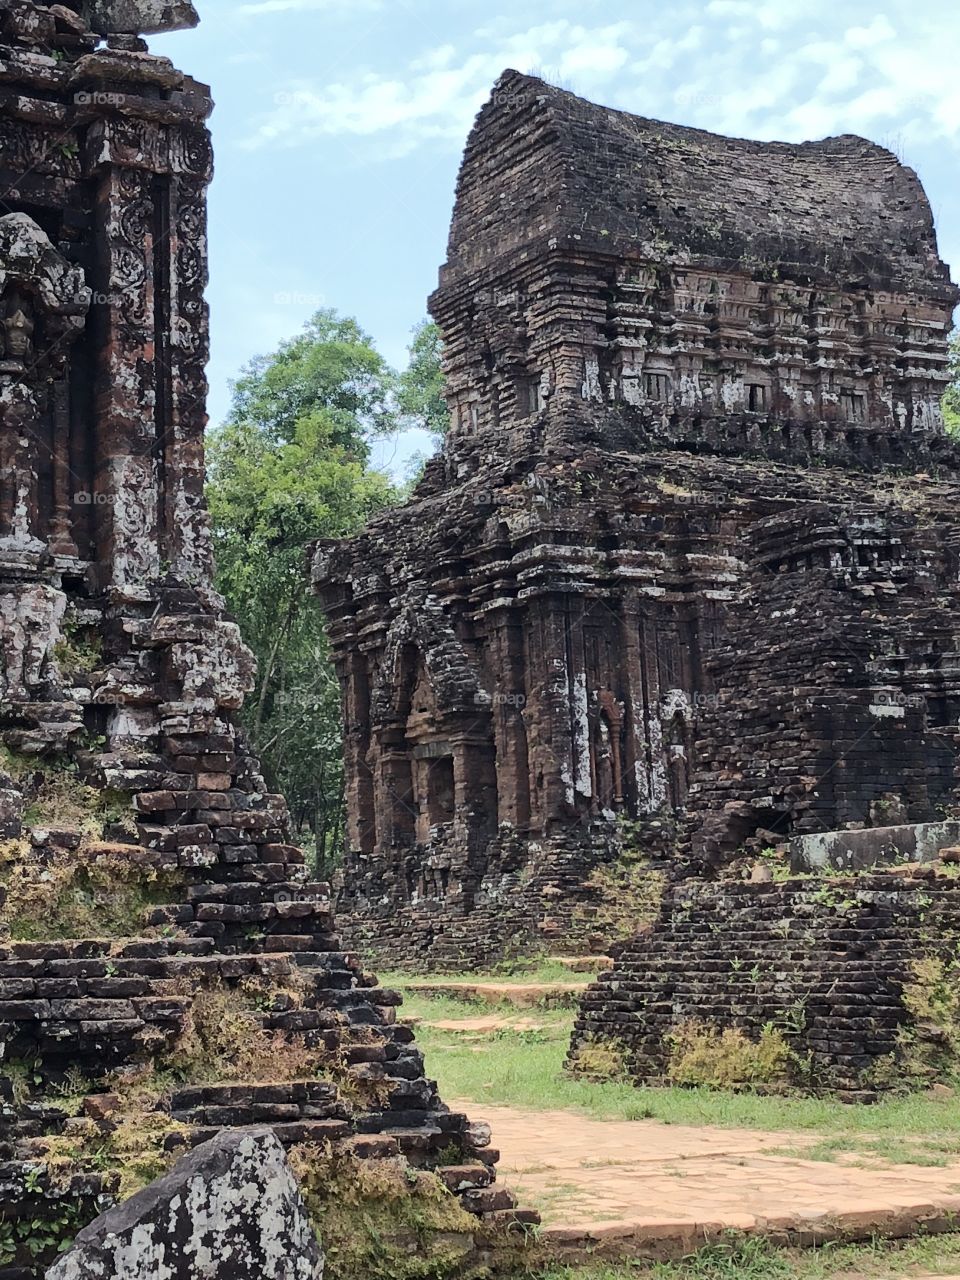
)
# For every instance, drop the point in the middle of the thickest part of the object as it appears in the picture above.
(290, 465)
(420, 387)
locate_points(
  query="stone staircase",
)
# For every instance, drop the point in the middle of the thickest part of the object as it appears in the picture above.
(91, 1006)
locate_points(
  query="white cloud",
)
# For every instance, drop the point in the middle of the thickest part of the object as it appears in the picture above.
(600, 51)
(842, 74)
(435, 59)
(874, 105)
(729, 8)
(879, 30)
(437, 96)
(433, 104)
(811, 120)
(773, 15)
(729, 66)
(301, 6)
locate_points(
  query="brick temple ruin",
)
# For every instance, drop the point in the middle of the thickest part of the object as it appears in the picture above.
(144, 868)
(689, 555)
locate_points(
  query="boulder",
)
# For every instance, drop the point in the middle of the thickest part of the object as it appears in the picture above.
(231, 1210)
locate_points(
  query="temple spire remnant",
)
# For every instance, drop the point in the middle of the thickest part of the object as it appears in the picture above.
(653, 586)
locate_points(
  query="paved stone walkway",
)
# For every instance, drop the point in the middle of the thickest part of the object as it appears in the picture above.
(643, 1188)
(483, 1026)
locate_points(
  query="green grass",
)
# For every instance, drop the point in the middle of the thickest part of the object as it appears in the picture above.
(933, 1152)
(525, 1069)
(755, 1259)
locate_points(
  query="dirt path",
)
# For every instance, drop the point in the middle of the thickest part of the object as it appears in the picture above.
(649, 1188)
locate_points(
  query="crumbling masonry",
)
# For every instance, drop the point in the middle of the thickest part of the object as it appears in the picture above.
(690, 553)
(143, 866)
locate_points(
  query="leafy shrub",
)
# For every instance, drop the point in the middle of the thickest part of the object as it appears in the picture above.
(600, 1059)
(704, 1055)
(224, 1040)
(383, 1218)
(928, 1049)
(71, 894)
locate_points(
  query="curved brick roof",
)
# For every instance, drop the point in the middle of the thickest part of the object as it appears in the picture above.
(542, 164)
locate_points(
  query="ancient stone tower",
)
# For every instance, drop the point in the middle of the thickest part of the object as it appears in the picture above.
(686, 557)
(166, 969)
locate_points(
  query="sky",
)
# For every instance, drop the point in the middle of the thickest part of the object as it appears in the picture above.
(339, 127)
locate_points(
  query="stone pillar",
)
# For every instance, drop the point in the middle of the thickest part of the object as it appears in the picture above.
(152, 269)
(361, 825)
(509, 728)
(186, 527)
(127, 477)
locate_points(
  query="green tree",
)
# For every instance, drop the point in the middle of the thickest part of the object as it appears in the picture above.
(421, 385)
(951, 401)
(291, 464)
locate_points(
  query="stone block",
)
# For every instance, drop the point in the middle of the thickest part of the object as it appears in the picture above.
(214, 781)
(230, 1210)
(872, 847)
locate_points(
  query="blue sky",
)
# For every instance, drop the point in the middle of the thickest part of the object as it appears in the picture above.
(339, 126)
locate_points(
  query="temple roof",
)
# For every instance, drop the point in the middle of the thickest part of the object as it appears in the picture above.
(543, 166)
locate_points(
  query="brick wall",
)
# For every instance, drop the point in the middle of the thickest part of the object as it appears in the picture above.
(826, 960)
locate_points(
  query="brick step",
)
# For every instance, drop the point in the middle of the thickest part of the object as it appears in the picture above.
(290, 1133)
(512, 1219)
(282, 892)
(302, 942)
(258, 871)
(330, 960)
(262, 913)
(231, 1095)
(363, 997)
(416, 1143)
(850, 972)
(465, 1177)
(488, 1200)
(299, 1020)
(262, 1113)
(99, 948)
(320, 981)
(22, 1130)
(239, 1105)
(211, 967)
